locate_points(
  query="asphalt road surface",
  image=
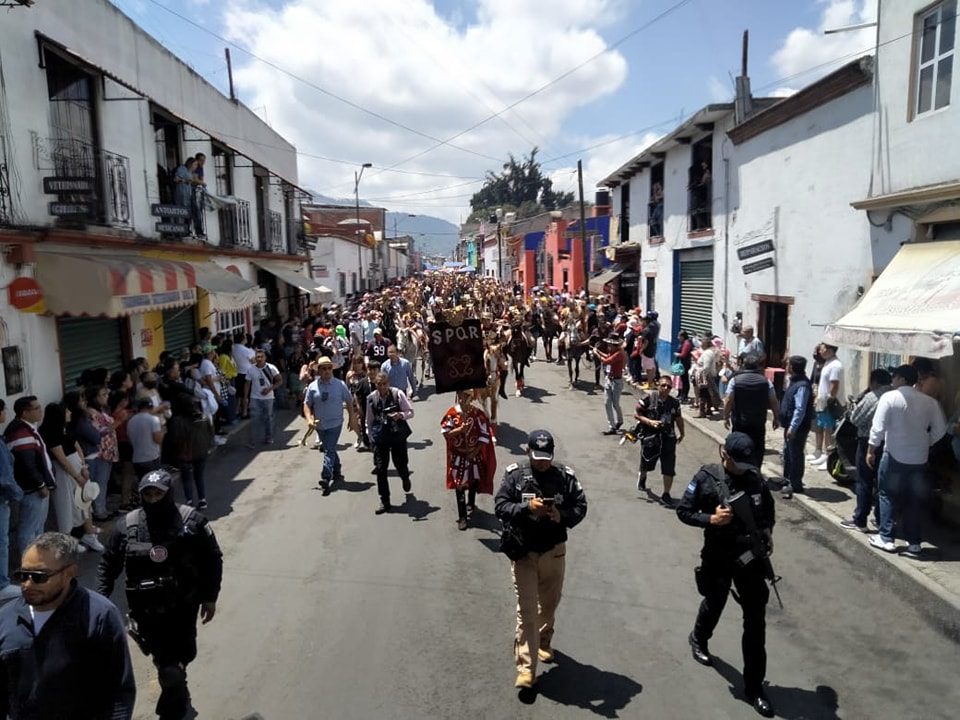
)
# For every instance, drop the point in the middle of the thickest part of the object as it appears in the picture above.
(329, 611)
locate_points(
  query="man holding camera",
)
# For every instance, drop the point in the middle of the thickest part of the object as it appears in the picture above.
(539, 501)
(728, 557)
(660, 429)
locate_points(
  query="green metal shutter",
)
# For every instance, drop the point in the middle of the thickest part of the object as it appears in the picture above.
(696, 295)
(88, 343)
(179, 329)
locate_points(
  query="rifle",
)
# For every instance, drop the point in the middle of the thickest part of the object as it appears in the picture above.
(742, 510)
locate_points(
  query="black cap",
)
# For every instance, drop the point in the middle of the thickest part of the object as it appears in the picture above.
(159, 479)
(540, 445)
(739, 448)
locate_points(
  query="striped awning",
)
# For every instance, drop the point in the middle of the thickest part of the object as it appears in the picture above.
(113, 285)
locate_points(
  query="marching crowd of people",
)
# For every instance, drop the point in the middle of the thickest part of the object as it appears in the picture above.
(147, 433)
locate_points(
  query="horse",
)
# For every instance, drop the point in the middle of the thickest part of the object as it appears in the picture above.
(551, 330)
(519, 349)
(495, 366)
(409, 347)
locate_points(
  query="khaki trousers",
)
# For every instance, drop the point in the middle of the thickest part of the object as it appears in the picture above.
(538, 581)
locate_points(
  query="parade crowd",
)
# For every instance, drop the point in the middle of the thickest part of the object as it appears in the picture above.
(110, 456)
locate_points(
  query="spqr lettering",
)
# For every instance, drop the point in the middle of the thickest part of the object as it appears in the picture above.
(448, 334)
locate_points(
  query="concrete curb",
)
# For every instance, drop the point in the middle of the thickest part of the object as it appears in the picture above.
(947, 616)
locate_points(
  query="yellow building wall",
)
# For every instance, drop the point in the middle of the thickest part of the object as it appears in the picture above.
(152, 322)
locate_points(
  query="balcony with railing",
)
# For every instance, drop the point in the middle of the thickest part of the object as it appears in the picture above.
(275, 243)
(86, 184)
(235, 225)
(699, 199)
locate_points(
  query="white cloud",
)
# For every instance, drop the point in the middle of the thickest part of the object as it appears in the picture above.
(404, 61)
(719, 90)
(600, 161)
(806, 48)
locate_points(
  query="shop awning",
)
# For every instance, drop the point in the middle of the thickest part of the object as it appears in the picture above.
(113, 285)
(227, 291)
(292, 277)
(607, 276)
(912, 309)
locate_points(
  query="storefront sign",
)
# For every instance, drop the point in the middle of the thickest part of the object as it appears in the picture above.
(757, 266)
(68, 185)
(146, 337)
(320, 271)
(69, 209)
(629, 279)
(169, 211)
(25, 295)
(172, 228)
(749, 251)
(160, 299)
(457, 355)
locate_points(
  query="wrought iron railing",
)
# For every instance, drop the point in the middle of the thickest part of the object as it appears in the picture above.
(275, 232)
(235, 225)
(103, 179)
(6, 197)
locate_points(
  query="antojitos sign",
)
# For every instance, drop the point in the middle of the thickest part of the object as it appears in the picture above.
(25, 295)
(457, 355)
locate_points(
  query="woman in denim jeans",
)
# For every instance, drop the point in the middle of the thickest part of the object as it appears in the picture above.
(100, 459)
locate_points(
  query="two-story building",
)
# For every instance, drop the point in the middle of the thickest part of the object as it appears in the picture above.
(348, 254)
(103, 259)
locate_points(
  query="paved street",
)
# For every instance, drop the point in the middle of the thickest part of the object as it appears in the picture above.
(328, 611)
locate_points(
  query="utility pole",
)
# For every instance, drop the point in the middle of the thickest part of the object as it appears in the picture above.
(583, 231)
(233, 94)
(360, 237)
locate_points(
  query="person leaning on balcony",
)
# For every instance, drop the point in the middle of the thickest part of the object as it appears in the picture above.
(185, 180)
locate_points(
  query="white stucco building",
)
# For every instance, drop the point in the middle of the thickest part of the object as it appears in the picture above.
(95, 118)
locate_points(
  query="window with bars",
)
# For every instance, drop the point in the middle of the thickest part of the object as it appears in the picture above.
(936, 31)
(232, 322)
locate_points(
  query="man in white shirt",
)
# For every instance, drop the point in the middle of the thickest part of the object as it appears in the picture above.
(907, 423)
(243, 357)
(263, 379)
(827, 404)
(750, 344)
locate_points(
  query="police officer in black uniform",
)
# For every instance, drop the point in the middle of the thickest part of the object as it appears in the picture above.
(704, 504)
(173, 572)
(539, 501)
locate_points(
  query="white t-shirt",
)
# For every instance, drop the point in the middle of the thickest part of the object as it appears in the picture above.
(243, 356)
(140, 430)
(261, 378)
(40, 618)
(832, 371)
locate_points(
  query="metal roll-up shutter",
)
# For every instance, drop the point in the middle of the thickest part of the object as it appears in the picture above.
(179, 329)
(88, 343)
(696, 295)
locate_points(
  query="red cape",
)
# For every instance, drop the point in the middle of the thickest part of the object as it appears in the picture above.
(471, 455)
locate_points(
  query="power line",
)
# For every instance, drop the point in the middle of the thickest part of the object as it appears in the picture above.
(318, 88)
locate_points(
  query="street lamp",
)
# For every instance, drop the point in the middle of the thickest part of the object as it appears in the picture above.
(356, 194)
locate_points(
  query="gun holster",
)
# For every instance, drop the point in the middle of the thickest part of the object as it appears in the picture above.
(702, 580)
(134, 632)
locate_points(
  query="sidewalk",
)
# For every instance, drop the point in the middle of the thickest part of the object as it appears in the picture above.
(938, 572)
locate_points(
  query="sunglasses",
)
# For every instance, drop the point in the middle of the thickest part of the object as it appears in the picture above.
(37, 577)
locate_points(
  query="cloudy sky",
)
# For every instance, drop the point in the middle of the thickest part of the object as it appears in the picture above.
(436, 92)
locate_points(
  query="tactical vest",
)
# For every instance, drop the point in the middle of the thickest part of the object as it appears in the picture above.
(751, 393)
(160, 576)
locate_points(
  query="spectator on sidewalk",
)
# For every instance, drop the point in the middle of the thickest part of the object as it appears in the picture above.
(189, 442)
(750, 344)
(828, 404)
(263, 379)
(906, 424)
(685, 358)
(10, 492)
(244, 357)
(32, 468)
(796, 418)
(862, 419)
(63, 648)
(749, 396)
(146, 436)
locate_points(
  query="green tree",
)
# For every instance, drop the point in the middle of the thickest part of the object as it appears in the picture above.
(521, 188)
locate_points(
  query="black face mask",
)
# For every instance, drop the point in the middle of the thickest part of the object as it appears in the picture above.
(150, 384)
(161, 513)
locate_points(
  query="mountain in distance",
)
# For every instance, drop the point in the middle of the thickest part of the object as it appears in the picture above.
(431, 235)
